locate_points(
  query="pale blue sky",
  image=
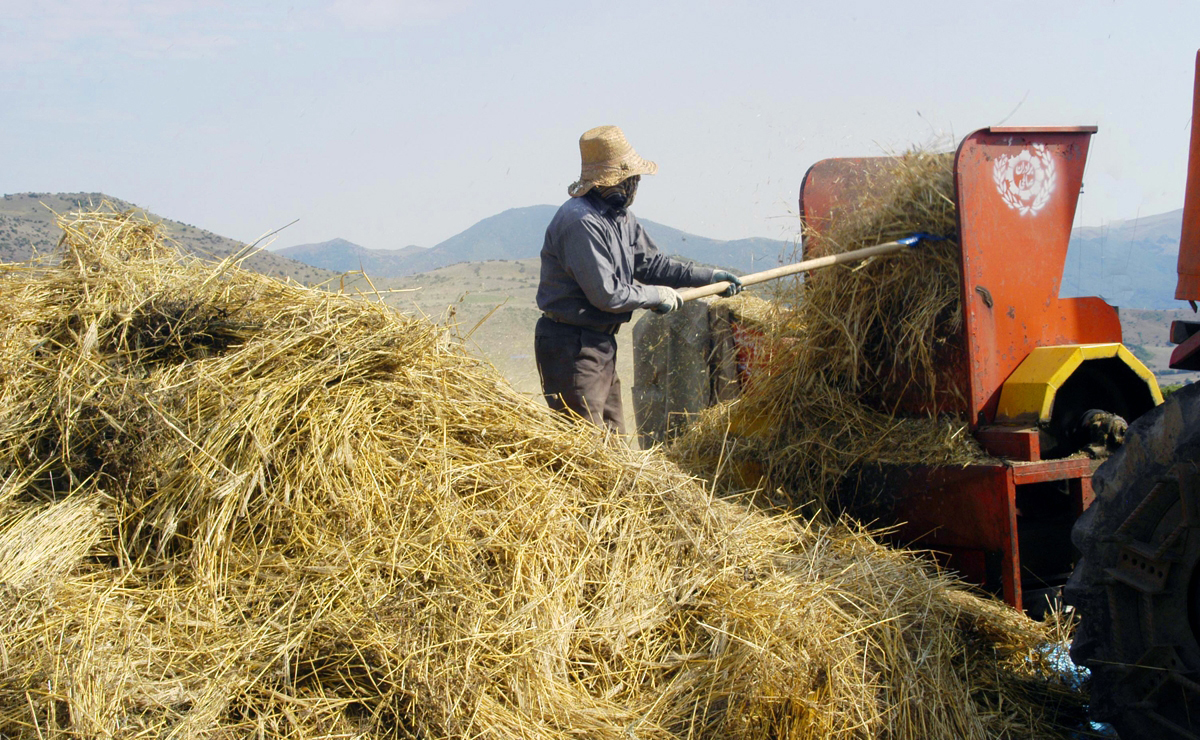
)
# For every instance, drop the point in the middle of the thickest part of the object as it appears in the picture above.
(394, 123)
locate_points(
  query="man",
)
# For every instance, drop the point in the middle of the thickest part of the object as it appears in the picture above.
(598, 265)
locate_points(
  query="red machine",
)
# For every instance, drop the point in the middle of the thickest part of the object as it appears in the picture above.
(1187, 334)
(1030, 365)
(1033, 368)
(1036, 375)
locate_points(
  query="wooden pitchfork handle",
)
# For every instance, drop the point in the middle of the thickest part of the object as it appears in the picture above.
(809, 265)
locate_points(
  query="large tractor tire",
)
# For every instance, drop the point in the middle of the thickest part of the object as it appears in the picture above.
(1136, 587)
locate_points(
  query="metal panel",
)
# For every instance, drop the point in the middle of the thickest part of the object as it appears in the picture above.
(1028, 394)
(1187, 355)
(1188, 287)
(1011, 442)
(671, 374)
(1017, 191)
(958, 509)
(1067, 468)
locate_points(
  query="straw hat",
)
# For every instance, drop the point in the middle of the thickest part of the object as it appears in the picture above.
(607, 160)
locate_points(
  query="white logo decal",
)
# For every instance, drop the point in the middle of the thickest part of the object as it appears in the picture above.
(1025, 181)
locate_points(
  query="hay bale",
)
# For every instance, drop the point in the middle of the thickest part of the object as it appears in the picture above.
(866, 363)
(259, 510)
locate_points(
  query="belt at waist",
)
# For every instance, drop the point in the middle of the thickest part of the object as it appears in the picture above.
(610, 329)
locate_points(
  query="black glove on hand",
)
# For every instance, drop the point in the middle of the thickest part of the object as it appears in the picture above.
(735, 283)
(669, 300)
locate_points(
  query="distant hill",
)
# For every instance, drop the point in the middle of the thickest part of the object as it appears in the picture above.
(753, 254)
(517, 234)
(1128, 263)
(340, 255)
(28, 228)
(1147, 334)
(511, 235)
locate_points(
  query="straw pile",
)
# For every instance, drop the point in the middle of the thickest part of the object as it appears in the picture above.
(853, 346)
(231, 507)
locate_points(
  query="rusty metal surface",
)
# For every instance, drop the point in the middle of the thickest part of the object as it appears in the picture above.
(1067, 468)
(1082, 494)
(1017, 190)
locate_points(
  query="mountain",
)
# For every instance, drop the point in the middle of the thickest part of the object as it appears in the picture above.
(517, 234)
(28, 227)
(1128, 263)
(754, 254)
(511, 235)
(338, 255)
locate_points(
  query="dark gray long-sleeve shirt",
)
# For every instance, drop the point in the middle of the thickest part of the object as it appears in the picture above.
(599, 264)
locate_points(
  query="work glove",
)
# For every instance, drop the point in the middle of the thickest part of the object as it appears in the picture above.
(735, 283)
(668, 300)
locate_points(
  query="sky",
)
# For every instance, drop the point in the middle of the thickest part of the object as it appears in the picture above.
(405, 122)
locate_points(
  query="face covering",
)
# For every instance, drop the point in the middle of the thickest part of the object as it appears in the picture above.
(621, 195)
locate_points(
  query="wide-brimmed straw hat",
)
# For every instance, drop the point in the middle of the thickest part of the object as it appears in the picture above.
(607, 160)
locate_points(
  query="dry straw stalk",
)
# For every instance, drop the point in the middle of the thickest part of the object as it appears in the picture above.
(849, 347)
(233, 507)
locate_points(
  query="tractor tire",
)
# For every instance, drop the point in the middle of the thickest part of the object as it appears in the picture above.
(1136, 587)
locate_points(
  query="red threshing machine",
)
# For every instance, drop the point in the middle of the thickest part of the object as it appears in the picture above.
(1042, 380)
(1033, 369)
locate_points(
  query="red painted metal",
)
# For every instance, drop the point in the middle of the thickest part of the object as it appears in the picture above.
(1186, 355)
(970, 515)
(1013, 443)
(1081, 494)
(1188, 287)
(1014, 245)
(967, 513)
(1050, 470)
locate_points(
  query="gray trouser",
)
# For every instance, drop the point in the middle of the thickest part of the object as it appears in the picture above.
(578, 367)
